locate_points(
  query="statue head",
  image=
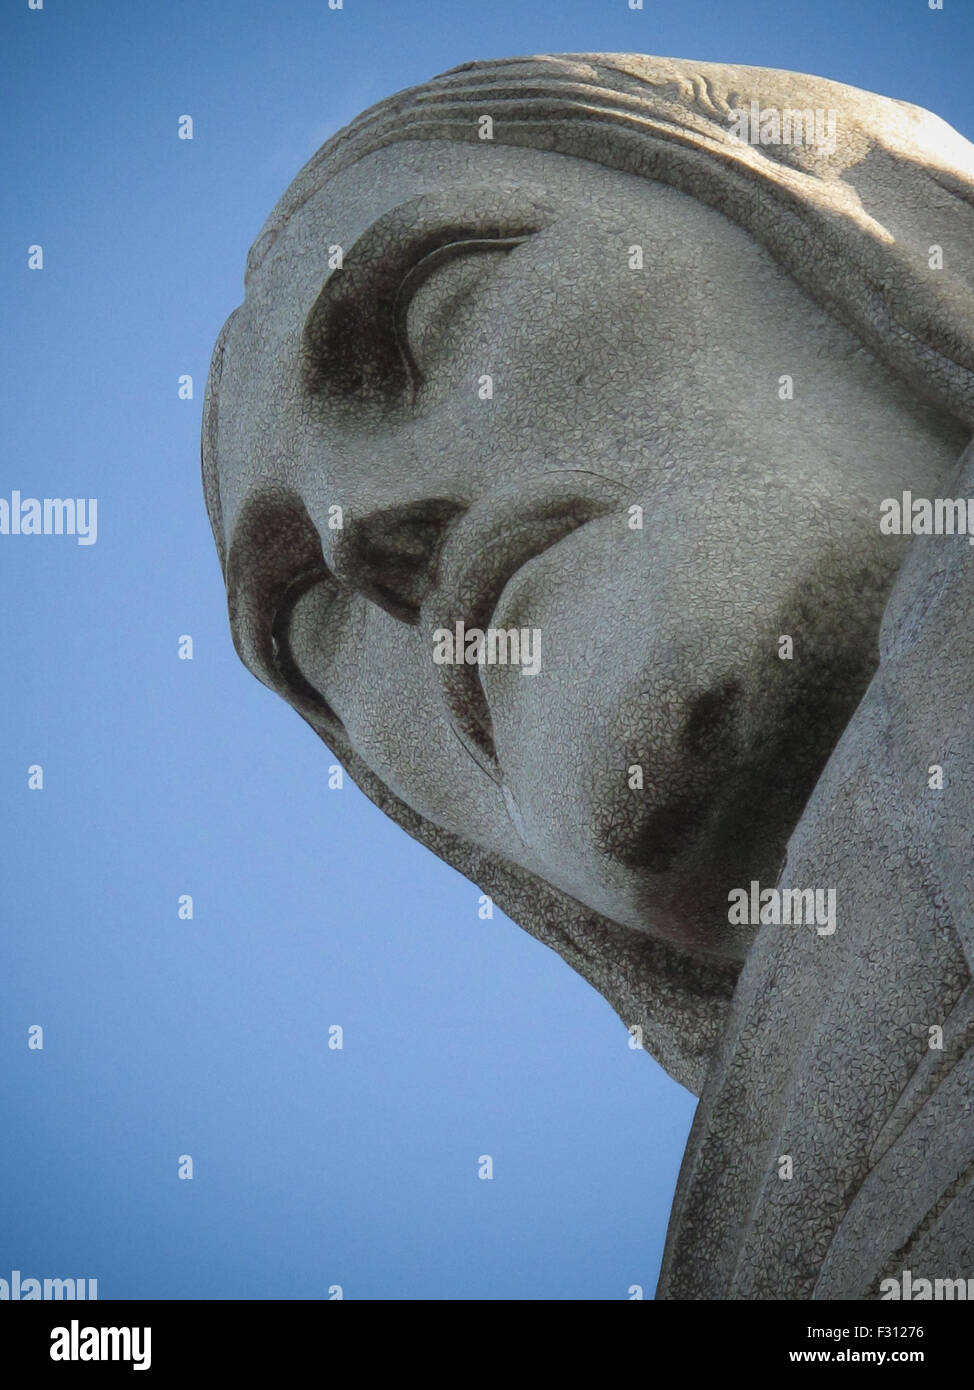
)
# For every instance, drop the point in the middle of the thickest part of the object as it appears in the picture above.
(545, 458)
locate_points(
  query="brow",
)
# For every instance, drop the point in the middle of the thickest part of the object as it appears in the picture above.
(353, 345)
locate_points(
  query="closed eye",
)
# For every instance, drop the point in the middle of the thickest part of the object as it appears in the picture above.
(356, 345)
(417, 276)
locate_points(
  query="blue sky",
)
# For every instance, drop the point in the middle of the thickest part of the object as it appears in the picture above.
(162, 1037)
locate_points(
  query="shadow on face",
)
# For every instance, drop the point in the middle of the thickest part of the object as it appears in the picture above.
(524, 500)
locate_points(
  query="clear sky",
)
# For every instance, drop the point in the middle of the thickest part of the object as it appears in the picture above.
(164, 1037)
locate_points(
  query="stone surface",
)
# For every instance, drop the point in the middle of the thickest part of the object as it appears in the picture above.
(494, 356)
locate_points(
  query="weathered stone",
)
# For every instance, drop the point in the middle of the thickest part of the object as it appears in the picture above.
(636, 377)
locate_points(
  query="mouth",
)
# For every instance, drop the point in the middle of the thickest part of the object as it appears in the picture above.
(491, 543)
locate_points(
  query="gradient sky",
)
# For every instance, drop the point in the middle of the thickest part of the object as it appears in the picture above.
(209, 1037)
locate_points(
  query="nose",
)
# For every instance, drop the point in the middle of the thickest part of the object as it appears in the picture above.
(391, 555)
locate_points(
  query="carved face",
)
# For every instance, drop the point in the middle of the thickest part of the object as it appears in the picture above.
(659, 472)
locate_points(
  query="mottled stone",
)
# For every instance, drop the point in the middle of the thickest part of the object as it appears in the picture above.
(489, 358)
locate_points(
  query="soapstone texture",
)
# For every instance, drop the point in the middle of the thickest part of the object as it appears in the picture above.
(487, 386)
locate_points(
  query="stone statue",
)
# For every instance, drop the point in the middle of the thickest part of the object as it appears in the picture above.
(588, 464)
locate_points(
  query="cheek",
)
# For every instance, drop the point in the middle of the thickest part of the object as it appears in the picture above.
(646, 670)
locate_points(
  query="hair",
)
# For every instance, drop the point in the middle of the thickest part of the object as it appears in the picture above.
(854, 224)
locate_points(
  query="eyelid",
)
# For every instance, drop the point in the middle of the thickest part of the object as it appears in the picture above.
(351, 346)
(417, 275)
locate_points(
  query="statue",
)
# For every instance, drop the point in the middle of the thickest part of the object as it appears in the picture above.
(588, 463)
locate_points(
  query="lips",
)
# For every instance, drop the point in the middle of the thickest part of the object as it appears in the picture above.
(493, 540)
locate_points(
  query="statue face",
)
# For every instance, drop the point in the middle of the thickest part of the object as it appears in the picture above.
(665, 745)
